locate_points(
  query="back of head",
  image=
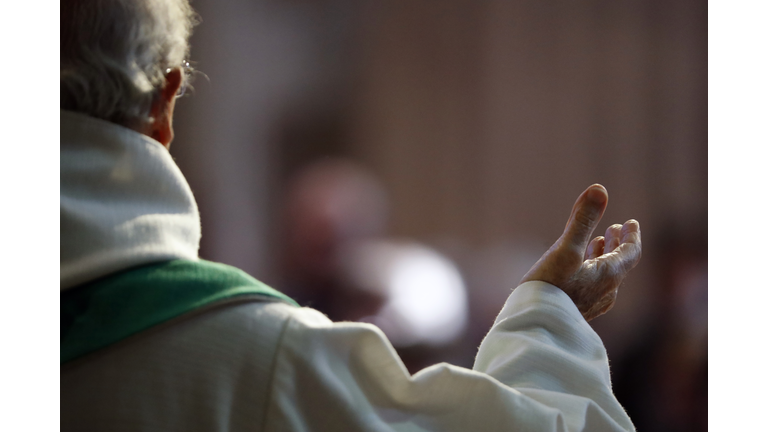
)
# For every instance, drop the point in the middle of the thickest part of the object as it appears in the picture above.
(114, 55)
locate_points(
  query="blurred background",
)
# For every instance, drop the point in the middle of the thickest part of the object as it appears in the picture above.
(405, 163)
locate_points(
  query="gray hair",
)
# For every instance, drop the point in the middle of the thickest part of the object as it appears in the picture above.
(114, 55)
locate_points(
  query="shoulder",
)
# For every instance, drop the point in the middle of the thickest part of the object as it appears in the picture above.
(219, 360)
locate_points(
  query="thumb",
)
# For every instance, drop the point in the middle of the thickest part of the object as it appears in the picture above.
(586, 214)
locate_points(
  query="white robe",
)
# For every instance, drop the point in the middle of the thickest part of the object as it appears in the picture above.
(273, 367)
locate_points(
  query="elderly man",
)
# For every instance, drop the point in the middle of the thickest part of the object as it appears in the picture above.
(152, 338)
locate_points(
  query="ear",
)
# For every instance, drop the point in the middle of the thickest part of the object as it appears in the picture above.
(162, 108)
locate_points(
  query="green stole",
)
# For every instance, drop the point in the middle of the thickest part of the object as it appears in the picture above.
(100, 313)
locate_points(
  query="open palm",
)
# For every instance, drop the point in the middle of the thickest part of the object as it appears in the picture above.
(590, 272)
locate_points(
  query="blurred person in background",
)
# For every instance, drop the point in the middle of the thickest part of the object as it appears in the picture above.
(327, 205)
(337, 259)
(153, 338)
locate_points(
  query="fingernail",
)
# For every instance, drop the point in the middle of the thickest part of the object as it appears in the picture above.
(631, 223)
(597, 195)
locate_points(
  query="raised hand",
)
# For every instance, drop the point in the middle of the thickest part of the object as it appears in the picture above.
(590, 272)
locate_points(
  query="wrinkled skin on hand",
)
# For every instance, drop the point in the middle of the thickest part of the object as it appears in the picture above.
(590, 272)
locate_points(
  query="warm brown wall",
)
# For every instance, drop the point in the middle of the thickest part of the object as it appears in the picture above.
(487, 117)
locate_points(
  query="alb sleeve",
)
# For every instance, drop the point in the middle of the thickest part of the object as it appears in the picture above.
(538, 369)
(541, 346)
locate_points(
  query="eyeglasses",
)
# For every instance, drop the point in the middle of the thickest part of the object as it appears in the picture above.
(187, 70)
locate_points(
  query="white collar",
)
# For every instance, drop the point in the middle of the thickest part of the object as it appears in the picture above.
(124, 202)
